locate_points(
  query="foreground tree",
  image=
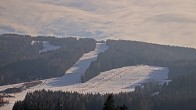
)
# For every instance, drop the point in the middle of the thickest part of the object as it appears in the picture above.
(123, 107)
(109, 104)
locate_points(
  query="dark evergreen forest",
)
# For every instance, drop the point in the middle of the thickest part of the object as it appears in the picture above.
(25, 64)
(179, 94)
(122, 53)
(20, 60)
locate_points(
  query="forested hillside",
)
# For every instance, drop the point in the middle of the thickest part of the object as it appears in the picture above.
(129, 53)
(180, 94)
(16, 47)
(21, 61)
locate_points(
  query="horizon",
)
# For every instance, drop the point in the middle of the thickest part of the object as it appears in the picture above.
(161, 22)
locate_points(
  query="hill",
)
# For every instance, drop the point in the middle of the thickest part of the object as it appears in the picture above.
(130, 53)
(22, 58)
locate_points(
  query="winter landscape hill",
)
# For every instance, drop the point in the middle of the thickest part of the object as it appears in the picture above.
(137, 70)
(97, 55)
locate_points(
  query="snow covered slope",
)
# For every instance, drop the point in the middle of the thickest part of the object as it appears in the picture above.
(114, 81)
(72, 76)
(47, 47)
(120, 80)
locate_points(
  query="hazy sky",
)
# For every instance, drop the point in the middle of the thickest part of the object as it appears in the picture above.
(161, 21)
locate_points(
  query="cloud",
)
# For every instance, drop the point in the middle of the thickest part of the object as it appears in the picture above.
(165, 22)
(166, 18)
(6, 29)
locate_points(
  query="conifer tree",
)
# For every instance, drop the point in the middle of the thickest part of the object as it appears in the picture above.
(109, 104)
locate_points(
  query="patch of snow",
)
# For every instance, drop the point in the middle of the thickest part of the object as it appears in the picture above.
(47, 47)
(165, 81)
(10, 86)
(154, 94)
(34, 42)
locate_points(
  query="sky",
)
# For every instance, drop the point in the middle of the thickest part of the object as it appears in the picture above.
(171, 22)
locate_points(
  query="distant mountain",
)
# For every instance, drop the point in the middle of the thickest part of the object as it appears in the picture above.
(24, 58)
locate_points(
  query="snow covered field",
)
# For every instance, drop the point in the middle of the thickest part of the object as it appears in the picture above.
(114, 81)
(47, 47)
(120, 80)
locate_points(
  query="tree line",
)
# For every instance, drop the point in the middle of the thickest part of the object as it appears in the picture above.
(130, 53)
(21, 61)
(179, 94)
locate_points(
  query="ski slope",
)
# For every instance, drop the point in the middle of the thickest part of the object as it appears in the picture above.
(114, 81)
(72, 76)
(120, 80)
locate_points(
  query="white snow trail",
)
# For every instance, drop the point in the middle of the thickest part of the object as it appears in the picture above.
(72, 76)
(113, 81)
(120, 80)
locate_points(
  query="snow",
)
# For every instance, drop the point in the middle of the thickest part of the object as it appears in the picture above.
(154, 94)
(72, 76)
(47, 47)
(33, 42)
(114, 81)
(120, 80)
